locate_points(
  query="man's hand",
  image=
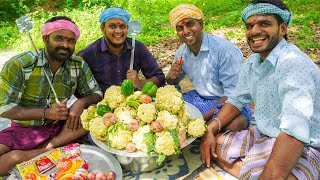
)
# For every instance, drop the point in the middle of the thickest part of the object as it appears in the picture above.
(58, 111)
(208, 147)
(74, 121)
(133, 76)
(175, 70)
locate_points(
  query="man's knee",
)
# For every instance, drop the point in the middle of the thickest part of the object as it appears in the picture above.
(4, 149)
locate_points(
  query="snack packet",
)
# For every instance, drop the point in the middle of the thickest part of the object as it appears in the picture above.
(71, 151)
(44, 164)
(28, 170)
(66, 168)
(55, 155)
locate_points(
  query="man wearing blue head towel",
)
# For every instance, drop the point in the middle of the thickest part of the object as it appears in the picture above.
(284, 84)
(109, 56)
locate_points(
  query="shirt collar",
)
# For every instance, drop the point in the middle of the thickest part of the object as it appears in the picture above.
(104, 46)
(204, 45)
(205, 42)
(42, 60)
(272, 57)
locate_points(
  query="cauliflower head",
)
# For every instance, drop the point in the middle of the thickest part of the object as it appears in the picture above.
(197, 127)
(138, 137)
(125, 113)
(146, 112)
(120, 137)
(183, 116)
(170, 89)
(167, 120)
(113, 97)
(165, 143)
(97, 129)
(87, 115)
(169, 102)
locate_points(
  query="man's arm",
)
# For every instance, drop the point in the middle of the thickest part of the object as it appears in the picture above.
(55, 112)
(77, 108)
(138, 83)
(208, 115)
(208, 142)
(174, 72)
(285, 154)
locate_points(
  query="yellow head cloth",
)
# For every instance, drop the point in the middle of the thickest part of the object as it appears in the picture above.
(184, 11)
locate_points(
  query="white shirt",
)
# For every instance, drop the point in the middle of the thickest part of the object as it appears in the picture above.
(286, 91)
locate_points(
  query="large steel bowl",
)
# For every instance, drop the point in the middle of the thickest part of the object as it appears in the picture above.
(140, 161)
(135, 161)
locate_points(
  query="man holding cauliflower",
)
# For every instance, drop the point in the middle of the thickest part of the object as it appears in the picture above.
(39, 121)
(211, 63)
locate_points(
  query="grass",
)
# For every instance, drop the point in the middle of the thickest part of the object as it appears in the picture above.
(153, 15)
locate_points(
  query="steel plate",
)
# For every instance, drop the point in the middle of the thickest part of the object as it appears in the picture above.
(97, 158)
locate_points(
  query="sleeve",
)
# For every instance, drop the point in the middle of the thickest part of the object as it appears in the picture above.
(297, 90)
(86, 83)
(240, 96)
(229, 68)
(11, 85)
(149, 65)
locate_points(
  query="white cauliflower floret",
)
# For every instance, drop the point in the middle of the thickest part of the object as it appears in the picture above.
(138, 137)
(170, 101)
(114, 97)
(125, 113)
(120, 138)
(146, 112)
(86, 116)
(183, 116)
(197, 127)
(167, 120)
(97, 129)
(135, 96)
(165, 143)
(170, 89)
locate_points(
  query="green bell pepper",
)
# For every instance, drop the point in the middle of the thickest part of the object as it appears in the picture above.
(102, 109)
(127, 87)
(149, 88)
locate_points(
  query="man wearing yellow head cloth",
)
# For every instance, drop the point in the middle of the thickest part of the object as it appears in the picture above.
(211, 63)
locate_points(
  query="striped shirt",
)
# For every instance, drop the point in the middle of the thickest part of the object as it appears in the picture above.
(214, 71)
(23, 82)
(110, 69)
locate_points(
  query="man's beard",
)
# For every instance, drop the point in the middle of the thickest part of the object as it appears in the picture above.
(272, 44)
(56, 56)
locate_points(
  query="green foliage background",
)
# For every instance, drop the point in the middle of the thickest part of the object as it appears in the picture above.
(153, 15)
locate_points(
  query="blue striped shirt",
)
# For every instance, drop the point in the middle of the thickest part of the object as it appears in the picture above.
(214, 71)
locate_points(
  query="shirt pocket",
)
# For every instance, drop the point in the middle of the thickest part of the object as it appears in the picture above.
(69, 87)
(36, 89)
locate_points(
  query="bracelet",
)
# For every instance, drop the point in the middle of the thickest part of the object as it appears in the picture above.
(44, 113)
(219, 122)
